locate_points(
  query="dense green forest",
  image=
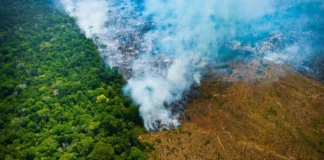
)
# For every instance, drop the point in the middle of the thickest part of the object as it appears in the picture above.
(58, 99)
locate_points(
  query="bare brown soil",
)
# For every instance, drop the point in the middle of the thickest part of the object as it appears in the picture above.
(275, 119)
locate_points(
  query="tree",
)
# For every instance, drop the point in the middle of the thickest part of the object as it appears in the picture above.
(102, 151)
(136, 154)
(85, 146)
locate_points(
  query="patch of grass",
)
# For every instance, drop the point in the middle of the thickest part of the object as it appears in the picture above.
(286, 118)
(207, 142)
(219, 156)
(272, 112)
(149, 147)
(277, 106)
(306, 139)
(276, 94)
(208, 96)
(158, 140)
(180, 129)
(277, 122)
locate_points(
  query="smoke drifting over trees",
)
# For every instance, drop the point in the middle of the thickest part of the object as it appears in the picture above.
(162, 47)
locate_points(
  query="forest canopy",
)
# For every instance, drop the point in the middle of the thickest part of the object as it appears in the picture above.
(58, 99)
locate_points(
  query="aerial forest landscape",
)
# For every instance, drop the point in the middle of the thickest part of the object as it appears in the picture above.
(162, 79)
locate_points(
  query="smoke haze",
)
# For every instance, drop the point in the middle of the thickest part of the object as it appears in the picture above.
(162, 46)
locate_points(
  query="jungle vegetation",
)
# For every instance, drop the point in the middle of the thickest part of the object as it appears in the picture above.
(58, 100)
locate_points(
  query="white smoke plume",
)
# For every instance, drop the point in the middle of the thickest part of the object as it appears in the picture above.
(161, 46)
